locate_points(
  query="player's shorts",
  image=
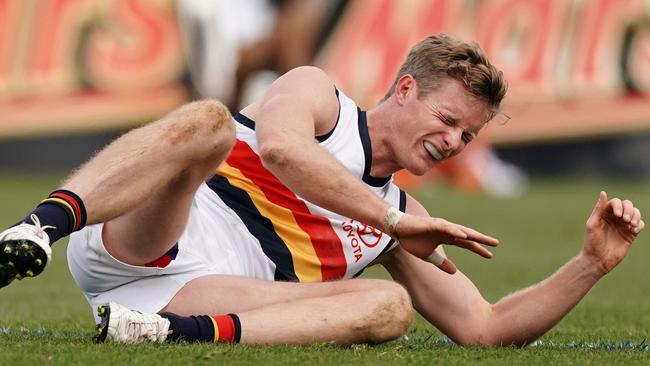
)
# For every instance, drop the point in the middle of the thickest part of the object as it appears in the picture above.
(215, 241)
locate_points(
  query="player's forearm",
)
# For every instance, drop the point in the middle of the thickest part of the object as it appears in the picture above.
(454, 305)
(312, 173)
(526, 315)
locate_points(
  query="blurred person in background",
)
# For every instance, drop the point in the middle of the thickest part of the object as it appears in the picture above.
(235, 49)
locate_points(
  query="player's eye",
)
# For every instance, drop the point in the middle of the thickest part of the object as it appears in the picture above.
(447, 121)
(467, 137)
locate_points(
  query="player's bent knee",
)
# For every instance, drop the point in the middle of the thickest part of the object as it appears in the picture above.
(389, 316)
(215, 126)
(203, 131)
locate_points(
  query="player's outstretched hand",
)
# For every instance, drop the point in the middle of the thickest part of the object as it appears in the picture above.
(421, 235)
(612, 227)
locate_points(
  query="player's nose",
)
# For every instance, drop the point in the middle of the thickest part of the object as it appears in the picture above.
(452, 140)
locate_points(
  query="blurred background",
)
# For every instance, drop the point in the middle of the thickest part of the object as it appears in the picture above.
(74, 74)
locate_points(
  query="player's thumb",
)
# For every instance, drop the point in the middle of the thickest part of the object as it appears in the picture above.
(441, 262)
(448, 266)
(599, 208)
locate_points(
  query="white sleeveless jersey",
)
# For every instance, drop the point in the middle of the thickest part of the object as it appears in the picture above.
(245, 222)
(305, 242)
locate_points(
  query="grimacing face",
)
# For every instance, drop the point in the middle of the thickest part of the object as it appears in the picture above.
(437, 126)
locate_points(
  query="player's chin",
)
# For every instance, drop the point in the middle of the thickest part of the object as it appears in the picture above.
(420, 168)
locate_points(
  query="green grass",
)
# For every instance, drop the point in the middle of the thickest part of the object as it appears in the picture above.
(46, 320)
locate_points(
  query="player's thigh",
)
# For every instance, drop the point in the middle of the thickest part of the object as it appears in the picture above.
(147, 232)
(219, 294)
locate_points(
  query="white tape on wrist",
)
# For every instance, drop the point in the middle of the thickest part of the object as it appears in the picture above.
(391, 219)
(435, 258)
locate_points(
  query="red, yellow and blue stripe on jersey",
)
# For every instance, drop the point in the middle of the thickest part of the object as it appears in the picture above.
(303, 246)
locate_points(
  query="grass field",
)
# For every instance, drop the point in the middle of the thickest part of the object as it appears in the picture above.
(47, 321)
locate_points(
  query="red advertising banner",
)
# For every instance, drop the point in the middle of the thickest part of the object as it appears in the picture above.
(575, 68)
(82, 65)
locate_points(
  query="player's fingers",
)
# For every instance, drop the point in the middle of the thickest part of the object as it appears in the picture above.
(474, 247)
(442, 262)
(628, 211)
(599, 209)
(448, 266)
(454, 230)
(636, 230)
(480, 237)
(636, 217)
(602, 199)
(435, 258)
(616, 207)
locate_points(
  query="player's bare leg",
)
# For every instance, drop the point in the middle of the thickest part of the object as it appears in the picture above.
(146, 197)
(373, 316)
(342, 312)
(155, 166)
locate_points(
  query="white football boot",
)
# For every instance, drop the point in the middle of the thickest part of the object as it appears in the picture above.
(24, 251)
(121, 325)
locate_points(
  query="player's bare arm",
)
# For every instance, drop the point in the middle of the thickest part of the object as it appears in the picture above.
(454, 305)
(298, 106)
(288, 149)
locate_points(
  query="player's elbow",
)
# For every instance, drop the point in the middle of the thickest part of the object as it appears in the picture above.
(490, 340)
(274, 150)
(471, 327)
(476, 339)
(472, 336)
(486, 329)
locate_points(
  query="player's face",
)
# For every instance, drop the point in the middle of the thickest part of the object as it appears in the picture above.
(439, 125)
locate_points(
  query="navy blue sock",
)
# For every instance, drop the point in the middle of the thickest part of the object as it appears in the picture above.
(203, 328)
(63, 210)
(189, 328)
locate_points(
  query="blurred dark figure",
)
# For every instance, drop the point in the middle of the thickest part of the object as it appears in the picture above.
(237, 48)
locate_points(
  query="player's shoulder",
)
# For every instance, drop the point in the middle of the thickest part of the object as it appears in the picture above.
(309, 73)
(310, 86)
(306, 81)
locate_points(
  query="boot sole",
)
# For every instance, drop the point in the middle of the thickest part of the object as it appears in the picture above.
(104, 313)
(20, 259)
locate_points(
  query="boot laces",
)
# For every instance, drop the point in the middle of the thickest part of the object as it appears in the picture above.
(145, 326)
(37, 229)
(27, 229)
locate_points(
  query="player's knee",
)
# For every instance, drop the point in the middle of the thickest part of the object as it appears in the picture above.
(221, 125)
(204, 128)
(216, 128)
(390, 314)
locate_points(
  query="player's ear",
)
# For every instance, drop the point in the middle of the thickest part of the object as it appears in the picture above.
(405, 88)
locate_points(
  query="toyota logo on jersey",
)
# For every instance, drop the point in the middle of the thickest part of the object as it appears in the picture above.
(357, 233)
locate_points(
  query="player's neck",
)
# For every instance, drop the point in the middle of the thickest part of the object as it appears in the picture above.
(380, 122)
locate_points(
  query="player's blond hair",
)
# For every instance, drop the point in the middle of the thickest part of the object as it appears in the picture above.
(440, 56)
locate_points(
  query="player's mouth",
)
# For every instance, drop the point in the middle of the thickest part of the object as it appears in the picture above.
(435, 154)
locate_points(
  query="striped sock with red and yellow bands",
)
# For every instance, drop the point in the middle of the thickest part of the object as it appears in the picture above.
(63, 210)
(204, 328)
(227, 328)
